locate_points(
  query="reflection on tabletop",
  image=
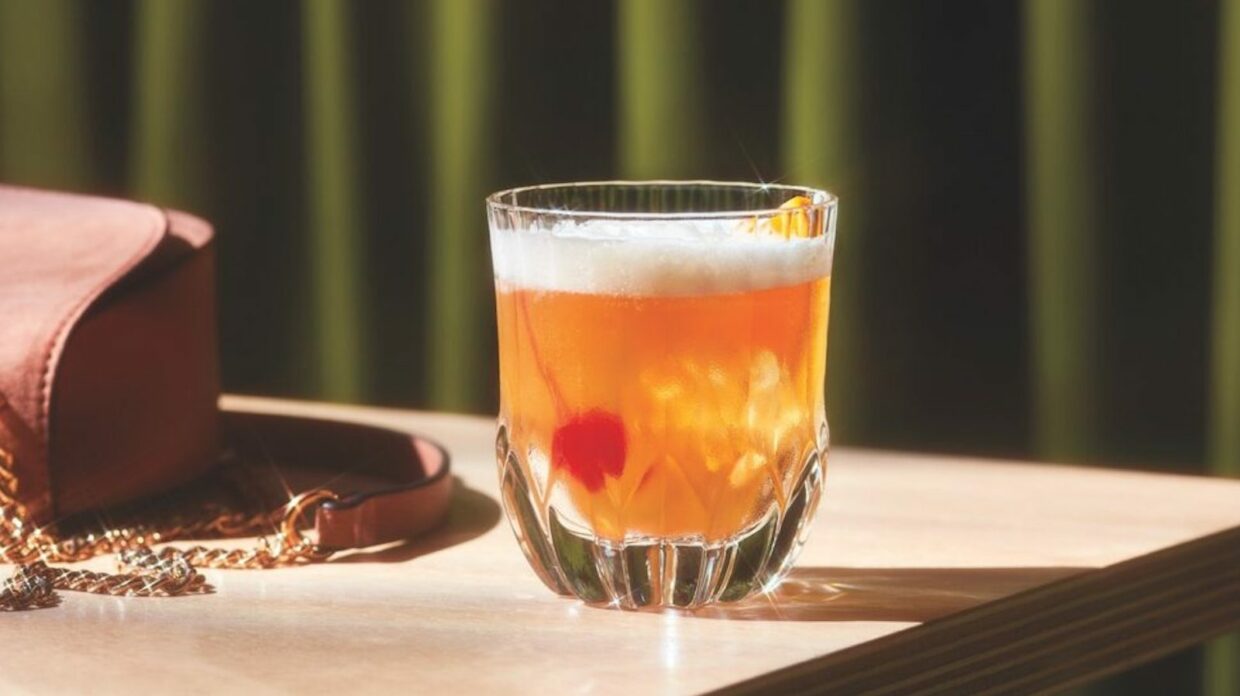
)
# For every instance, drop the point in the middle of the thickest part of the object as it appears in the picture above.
(884, 594)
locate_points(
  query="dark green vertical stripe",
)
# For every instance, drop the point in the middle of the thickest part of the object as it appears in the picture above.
(335, 218)
(168, 140)
(1225, 375)
(660, 64)
(821, 148)
(461, 63)
(44, 124)
(1223, 655)
(1062, 225)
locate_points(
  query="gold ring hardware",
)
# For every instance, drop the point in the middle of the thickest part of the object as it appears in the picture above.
(299, 506)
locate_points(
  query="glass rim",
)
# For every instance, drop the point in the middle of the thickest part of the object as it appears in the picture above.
(820, 199)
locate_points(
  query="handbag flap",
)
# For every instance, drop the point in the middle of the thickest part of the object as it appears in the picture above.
(59, 253)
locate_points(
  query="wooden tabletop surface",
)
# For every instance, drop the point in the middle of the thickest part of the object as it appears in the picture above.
(923, 573)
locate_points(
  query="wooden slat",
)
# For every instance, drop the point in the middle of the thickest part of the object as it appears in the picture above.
(460, 36)
(661, 73)
(335, 219)
(1063, 220)
(169, 143)
(1222, 676)
(45, 137)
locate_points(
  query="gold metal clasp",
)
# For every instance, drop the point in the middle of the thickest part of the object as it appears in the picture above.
(290, 526)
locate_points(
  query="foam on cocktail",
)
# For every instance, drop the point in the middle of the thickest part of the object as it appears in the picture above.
(656, 258)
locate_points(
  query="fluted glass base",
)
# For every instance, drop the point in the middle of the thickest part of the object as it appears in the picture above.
(682, 572)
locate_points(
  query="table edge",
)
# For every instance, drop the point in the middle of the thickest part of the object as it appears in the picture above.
(1167, 600)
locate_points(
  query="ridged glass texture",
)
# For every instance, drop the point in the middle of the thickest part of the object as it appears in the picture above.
(662, 439)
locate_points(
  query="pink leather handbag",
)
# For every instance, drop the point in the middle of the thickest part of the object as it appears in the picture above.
(107, 349)
(109, 381)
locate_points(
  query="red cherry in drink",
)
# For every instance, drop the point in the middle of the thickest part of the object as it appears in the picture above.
(589, 446)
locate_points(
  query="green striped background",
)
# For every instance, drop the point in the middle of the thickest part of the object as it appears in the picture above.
(344, 150)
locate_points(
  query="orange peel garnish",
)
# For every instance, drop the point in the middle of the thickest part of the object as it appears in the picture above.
(796, 223)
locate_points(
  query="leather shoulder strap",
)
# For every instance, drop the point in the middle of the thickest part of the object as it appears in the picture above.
(391, 485)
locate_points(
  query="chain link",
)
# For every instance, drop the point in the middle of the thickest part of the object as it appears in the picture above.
(142, 570)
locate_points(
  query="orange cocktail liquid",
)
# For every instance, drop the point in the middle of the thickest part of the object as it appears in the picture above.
(664, 416)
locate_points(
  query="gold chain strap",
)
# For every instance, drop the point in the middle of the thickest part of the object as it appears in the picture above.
(142, 570)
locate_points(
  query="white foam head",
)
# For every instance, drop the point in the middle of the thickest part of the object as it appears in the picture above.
(655, 257)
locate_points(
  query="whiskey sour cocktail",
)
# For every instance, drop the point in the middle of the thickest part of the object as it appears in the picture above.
(662, 348)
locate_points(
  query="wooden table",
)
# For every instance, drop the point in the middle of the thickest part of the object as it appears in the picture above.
(924, 573)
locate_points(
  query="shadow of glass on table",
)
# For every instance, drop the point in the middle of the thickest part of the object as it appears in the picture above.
(472, 514)
(883, 594)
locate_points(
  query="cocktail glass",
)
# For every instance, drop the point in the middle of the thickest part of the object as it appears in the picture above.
(662, 433)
